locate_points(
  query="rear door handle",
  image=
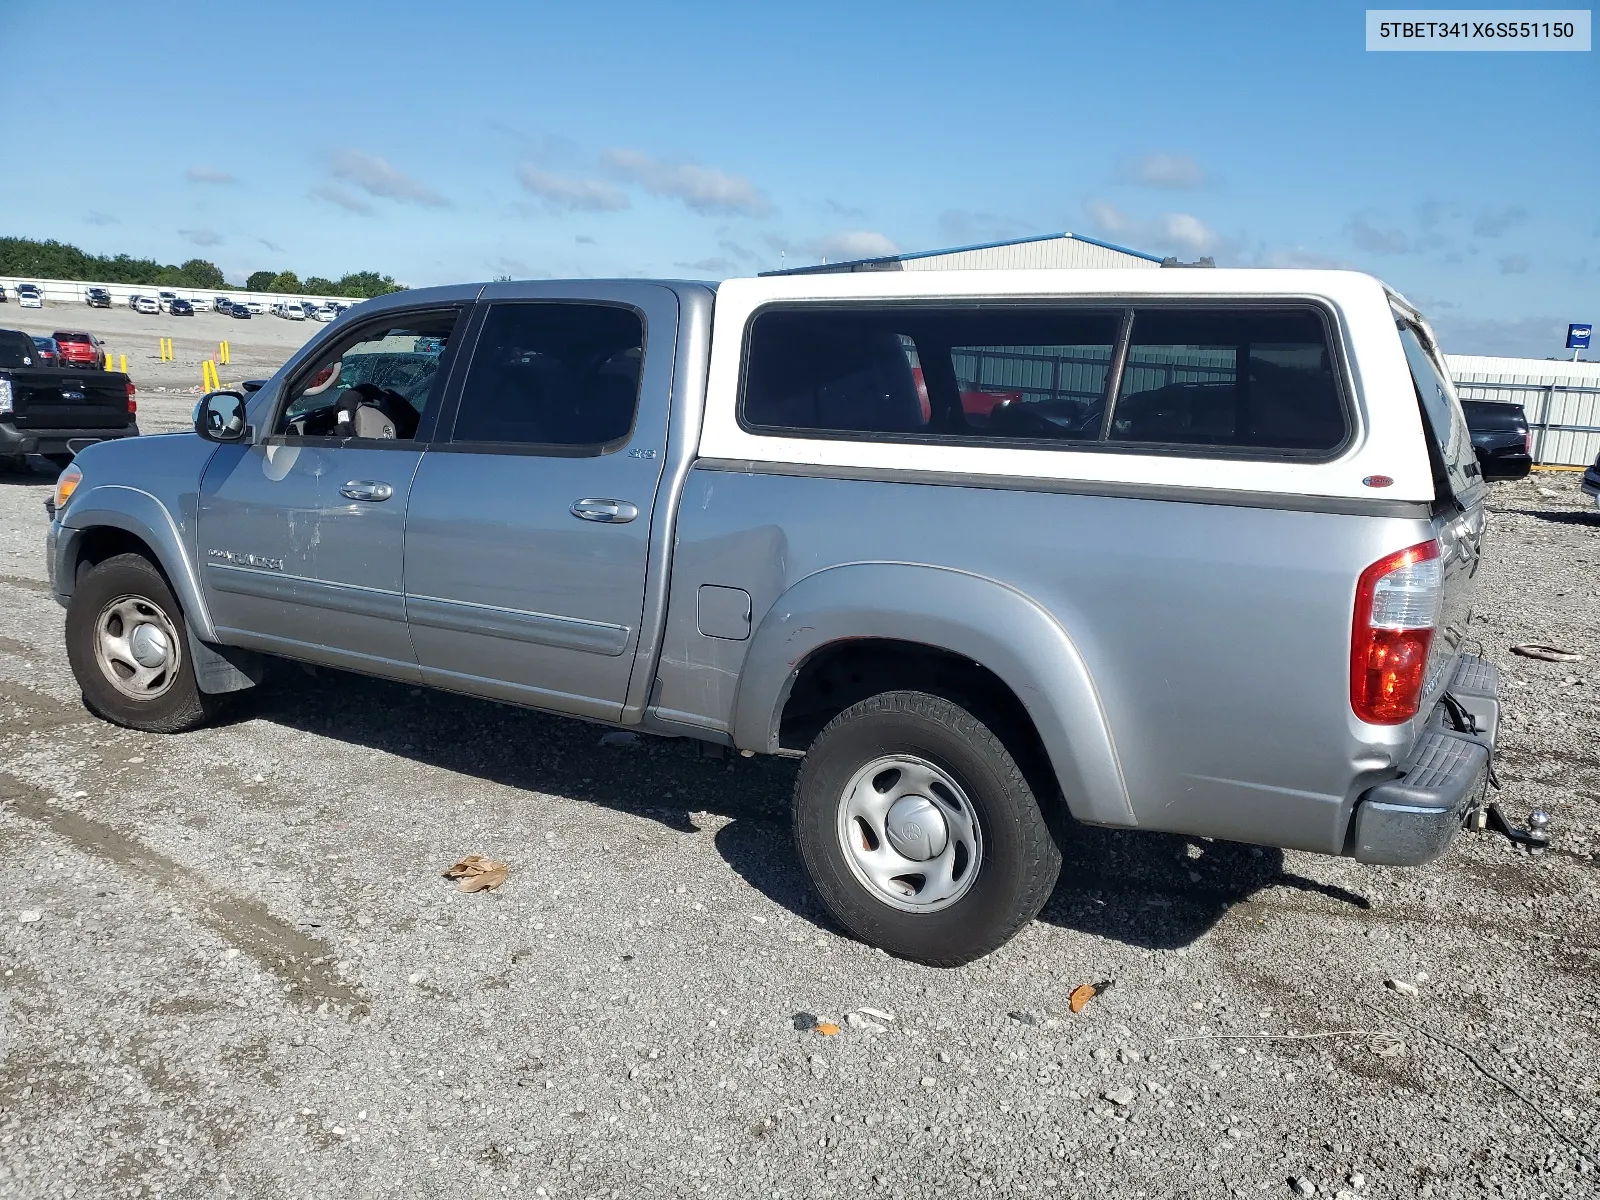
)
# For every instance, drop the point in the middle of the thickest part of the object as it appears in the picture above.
(366, 489)
(608, 512)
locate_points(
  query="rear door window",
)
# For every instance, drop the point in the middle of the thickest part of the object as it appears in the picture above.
(1450, 440)
(558, 375)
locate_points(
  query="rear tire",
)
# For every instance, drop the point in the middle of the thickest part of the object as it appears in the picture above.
(128, 645)
(958, 857)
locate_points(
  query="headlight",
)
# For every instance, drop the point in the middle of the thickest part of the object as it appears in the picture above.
(66, 484)
(5, 397)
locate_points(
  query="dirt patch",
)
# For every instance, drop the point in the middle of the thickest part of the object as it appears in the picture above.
(300, 960)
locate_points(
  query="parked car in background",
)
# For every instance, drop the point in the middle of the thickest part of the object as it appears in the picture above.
(200, 304)
(1229, 608)
(325, 314)
(2, 294)
(133, 301)
(239, 312)
(29, 295)
(56, 413)
(221, 302)
(1500, 438)
(256, 307)
(146, 304)
(97, 297)
(1591, 480)
(165, 299)
(289, 311)
(179, 307)
(80, 349)
(48, 353)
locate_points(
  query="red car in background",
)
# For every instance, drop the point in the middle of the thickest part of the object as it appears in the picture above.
(81, 349)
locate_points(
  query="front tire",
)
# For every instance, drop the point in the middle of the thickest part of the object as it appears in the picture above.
(920, 831)
(128, 645)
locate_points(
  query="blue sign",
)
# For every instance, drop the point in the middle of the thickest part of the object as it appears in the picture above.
(1578, 336)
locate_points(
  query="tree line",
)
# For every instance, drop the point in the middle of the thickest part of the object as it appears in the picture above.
(56, 260)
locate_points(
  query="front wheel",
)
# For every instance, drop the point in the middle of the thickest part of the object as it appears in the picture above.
(128, 646)
(920, 831)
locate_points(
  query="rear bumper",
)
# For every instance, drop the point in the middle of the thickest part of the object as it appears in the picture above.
(57, 441)
(1591, 480)
(1414, 819)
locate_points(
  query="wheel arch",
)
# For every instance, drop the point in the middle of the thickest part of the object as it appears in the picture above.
(976, 620)
(113, 518)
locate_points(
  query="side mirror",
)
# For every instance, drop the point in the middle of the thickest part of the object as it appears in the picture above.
(220, 417)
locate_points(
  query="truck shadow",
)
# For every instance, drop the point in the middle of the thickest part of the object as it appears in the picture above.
(1155, 891)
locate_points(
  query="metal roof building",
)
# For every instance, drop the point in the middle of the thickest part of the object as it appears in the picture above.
(1045, 250)
(1562, 400)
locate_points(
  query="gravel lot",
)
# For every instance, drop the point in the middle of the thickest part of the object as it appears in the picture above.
(246, 976)
(168, 390)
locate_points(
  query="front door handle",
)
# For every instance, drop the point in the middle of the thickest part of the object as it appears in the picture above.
(366, 489)
(608, 512)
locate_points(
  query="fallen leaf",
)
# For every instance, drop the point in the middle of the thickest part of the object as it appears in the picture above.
(1085, 992)
(475, 873)
(826, 1028)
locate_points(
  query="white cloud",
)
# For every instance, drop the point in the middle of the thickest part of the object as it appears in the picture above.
(100, 218)
(202, 237)
(566, 192)
(1295, 256)
(1514, 264)
(204, 174)
(1495, 222)
(852, 243)
(1527, 337)
(1178, 231)
(717, 266)
(704, 189)
(346, 200)
(1374, 240)
(964, 225)
(378, 177)
(1168, 172)
(273, 246)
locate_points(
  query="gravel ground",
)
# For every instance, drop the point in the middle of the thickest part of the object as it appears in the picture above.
(229, 965)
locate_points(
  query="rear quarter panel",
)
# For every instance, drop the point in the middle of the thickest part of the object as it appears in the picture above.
(1217, 636)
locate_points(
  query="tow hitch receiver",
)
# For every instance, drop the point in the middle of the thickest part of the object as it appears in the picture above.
(1536, 837)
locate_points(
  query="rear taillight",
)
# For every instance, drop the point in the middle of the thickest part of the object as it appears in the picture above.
(133, 405)
(1527, 442)
(1397, 609)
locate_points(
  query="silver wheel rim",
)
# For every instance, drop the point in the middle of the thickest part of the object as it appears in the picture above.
(137, 647)
(909, 833)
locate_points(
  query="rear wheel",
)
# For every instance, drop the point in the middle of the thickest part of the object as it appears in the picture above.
(128, 646)
(920, 831)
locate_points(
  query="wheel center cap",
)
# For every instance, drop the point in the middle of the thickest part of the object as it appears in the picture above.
(149, 646)
(917, 828)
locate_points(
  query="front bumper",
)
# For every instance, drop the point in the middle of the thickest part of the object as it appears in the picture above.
(1414, 819)
(57, 441)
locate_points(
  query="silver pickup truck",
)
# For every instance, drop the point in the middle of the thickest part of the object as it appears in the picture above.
(1186, 551)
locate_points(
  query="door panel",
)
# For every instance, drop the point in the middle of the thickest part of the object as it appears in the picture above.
(525, 571)
(292, 566)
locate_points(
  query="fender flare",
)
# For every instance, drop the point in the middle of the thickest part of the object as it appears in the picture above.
(979, 618)
(132, 510)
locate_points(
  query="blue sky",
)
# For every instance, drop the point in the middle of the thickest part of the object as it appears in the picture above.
(442, 142)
